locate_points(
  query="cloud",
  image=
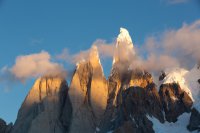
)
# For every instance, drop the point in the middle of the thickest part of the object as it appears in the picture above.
(64, 55)
(73, 58)
(36, 41)
(33, 65)
(172, 48)
(105, 50)
(177, 1)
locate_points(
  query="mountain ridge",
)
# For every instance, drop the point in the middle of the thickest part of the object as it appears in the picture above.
(128, 101)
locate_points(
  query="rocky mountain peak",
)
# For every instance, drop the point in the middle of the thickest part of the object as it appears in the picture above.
(124, 49)
(42, 109)
(124, 37)
(88, 93)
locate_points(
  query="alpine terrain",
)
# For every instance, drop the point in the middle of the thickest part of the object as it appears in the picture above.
(129, 101)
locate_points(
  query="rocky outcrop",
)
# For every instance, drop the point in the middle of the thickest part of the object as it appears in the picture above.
(88, 94)
(131, 114)
(135, 107)
(175, 101)
(162, 75)
(4, 128)
(132, 94)
(42, 110)
(194, 123)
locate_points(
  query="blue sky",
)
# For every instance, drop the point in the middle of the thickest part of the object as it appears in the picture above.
(32, 26)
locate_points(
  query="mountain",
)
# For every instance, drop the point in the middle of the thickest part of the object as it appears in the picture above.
(88, 94)
(127, 102)
(129, 90)
(188, 82)
(42, 110)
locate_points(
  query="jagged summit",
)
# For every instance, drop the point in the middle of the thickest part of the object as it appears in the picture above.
(124, 49)
(124, 36)
(94, 52)
(88, 93)
(42, 110)
(92, 57)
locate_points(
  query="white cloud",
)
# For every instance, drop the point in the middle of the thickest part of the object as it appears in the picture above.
(173, 48)
(34, 65)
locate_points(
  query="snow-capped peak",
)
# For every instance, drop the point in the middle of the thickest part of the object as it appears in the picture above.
(124, 36)
(188, 80)
(177, 75)
(124, 49)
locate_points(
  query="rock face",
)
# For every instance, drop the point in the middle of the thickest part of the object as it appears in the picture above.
(132, 94)
(137, 103)
(4, 128)
(194, 120)
(88, 94)
(175, 101)
(42, 110)
(131, 108)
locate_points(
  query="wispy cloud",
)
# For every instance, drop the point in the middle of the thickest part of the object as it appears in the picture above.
(172, 48)
(177, 1)
(105, 50)
(36, 41)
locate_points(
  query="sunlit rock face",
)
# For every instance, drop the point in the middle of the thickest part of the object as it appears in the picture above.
(42, 110)
(88, 94)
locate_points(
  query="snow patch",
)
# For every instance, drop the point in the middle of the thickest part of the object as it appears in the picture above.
(179, 127)
(177, 75)
(192, 81)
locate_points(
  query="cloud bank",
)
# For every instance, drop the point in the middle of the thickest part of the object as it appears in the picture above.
(169, 49)
(172, 48)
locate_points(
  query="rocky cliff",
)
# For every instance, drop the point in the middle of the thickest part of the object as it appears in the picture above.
(88, 94)
(42, 110)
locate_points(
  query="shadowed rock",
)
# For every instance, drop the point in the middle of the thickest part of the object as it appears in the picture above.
(175, 101)
(194, 120)
(4, 128)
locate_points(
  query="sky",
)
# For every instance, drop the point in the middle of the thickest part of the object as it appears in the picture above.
(48, 27)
